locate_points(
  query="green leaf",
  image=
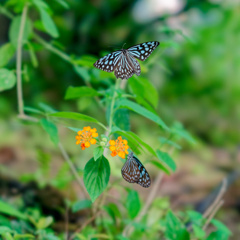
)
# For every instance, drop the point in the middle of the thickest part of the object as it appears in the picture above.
(44, 222)
(179, 130)
(133, 204)
(76, 116)
(77, 92)
(166, 159)
(7, 236)
(97, 153)
(195, 217)
(6, 53)
(148, 147)
(96, 176)
(7, 79)
(46, 108)
(121, 119)
(100, 236)
(11, 211)
(14, 31)
(198, 231)
(82, 72)
(113, 211)
(217, 236)
(51, 129)
(63, 3)
(33, 110)
(32, 55)
(164, 140)
(143, 88)
(175, 230)
(221, 227)
(4, 229)
(48, 23)
(124, 103)
(120, 237)
(82, 204)
(160, 166)
(24, 236)
(132, 142)
(86, 61)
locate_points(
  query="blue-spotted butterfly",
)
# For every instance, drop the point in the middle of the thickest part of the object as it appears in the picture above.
(124, 62)
(133, 171)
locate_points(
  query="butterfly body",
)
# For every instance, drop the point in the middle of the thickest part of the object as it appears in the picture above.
(133, 171)
(124, 62)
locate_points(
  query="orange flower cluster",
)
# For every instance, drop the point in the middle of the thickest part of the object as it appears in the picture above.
(119, 147)
(86, 137)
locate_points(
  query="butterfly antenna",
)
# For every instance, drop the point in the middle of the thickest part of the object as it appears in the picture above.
(123, 45)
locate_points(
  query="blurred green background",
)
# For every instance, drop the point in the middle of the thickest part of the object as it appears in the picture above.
(196, 71)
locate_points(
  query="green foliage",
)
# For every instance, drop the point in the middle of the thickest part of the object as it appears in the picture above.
(145, 92)
(175, 230)
(77, 92)
(82, 204)
(6, 53)
(51, 129)
(7, 79)
(47, 21)
(96, 176)
(47, 71)
(97, 153)
(133, 204)
(76, 116)
(123, 103)
(166, 159)
(11, 211)
(14, 31)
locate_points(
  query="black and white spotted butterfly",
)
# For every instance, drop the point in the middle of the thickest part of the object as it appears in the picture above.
(123, 62)
(133, 171)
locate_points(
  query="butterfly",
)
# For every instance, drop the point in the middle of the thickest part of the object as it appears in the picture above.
(133, 171)
(124, 62)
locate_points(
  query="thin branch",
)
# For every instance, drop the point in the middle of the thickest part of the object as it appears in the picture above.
(216, 203)
(219, 204)
(128, 229)
(66, 222)
(19, 62)
(84, 225)
(217, 199)
(72, 168)
(111, 114)
(52, 49)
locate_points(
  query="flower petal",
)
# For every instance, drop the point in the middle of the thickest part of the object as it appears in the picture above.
(93, 141)
(112, 142)
(112, 148)
(94, 134)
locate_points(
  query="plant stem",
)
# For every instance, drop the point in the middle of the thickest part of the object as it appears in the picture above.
(52, 49)
(112, 106)
(217, 199)
(129, 228)
(219, 204)
(19, 62)
(73, 169)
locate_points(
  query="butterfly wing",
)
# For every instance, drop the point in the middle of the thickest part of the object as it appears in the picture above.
(143, 51)
(130, 170)
(108, 63)
(144, 179)
(124, 68)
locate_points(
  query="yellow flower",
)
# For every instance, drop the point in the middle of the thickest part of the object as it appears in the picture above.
(118, 147)
(86, 137)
